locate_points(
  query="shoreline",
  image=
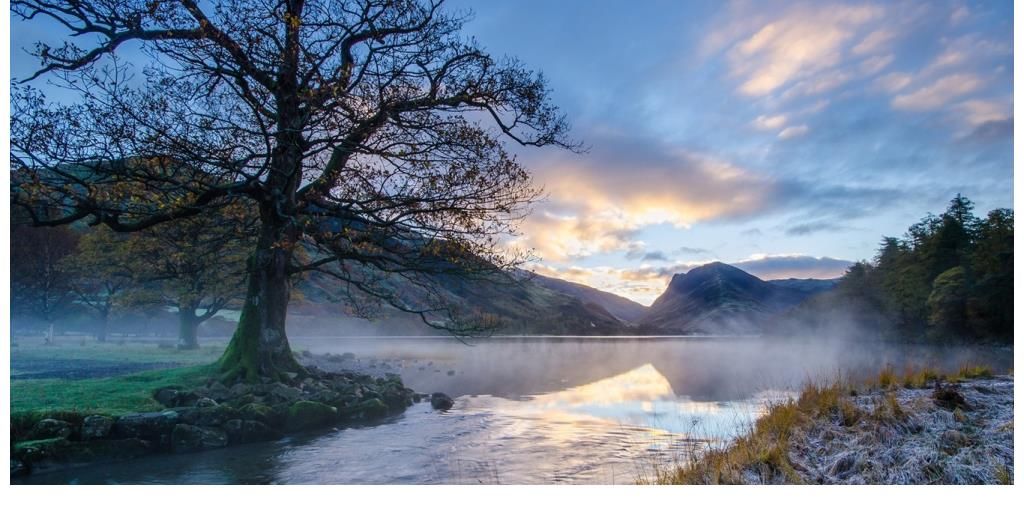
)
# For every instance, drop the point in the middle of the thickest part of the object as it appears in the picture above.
(922, 430)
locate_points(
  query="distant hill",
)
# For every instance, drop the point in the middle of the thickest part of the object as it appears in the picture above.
(809, 286)
(521, 306)
(623, 308)
(719, 298)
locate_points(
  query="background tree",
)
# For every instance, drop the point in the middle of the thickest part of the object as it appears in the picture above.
(368, 129)
(100, 274)
(196, 265)
(39, 283)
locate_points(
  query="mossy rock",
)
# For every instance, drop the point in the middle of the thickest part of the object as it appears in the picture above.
(189, 438)
(368, 409)
(56, 451)
(305, 414)
(216, 415)
(261, 412)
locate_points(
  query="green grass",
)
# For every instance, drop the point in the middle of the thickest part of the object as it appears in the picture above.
(109, 395)
(111, 352)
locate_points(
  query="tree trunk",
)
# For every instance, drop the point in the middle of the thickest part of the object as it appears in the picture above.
(101, 327)
(188, 328)
(259, 347)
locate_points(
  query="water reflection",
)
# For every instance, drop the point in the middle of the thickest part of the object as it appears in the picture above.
(525, 412)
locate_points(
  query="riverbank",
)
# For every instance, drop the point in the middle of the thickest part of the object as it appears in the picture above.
(919, 428)
(58, 423)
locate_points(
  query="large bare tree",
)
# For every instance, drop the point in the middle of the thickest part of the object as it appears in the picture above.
(367, 132)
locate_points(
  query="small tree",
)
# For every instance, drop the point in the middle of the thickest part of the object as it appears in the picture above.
(100, 274)
(195, 265)
(369, 129)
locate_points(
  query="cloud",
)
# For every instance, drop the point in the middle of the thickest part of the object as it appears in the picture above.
(785, 266)
(874, 42)
(894, 81)
(811, 228)
(939, 93)
(959, 14)
(876, 64)
(692, 250)
(977, 112)
(793, 131)
(599, 202)
(794, 45)
(769, 122)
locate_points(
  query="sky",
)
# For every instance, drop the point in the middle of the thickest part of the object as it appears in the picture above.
(786, 138)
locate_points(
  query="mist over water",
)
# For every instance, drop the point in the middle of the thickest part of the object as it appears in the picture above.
(540, 409)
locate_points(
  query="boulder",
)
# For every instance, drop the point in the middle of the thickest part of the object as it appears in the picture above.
(441, 401)
(258, 412)
(305, 414)
(52, 428)
(152, 426)
(208, 416)
(189, 438)
(243, 431)
(175, 397)
(365, 410)
(206, 402)
(94, 427)
(281, 393)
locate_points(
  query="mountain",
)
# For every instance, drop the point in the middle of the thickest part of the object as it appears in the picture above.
(719, 298)
(623, 308)
(520, 305)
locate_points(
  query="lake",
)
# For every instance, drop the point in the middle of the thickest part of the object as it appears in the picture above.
(539, 410)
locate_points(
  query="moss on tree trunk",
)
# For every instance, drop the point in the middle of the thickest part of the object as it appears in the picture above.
(259, 347)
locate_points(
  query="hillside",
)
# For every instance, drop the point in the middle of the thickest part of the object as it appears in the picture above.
(623, 308)
(719, 298)
(520, 306)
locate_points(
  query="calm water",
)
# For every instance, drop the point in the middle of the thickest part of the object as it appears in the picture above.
(537, 410)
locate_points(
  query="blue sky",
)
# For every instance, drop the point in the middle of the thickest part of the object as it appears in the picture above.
(783, 137)
(779, 136)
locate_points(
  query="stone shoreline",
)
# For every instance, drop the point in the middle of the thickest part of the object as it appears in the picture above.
(212, 417)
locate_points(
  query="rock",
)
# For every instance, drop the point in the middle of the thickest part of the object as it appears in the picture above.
(451, 373)
(305, 414)
(952, 440)
(188, 438)
(152, 426)
(18, 468)
(43, 454)
(949, 398)
(243, 431)
(94, 427)
(306, 354)
(208, 416)
(258, 412)
(52, 428)
(282, 393)
(217, 391)
(441, 401)
(174, 397)
(206, 402)
(241, 389)
(168, 397)
(365, 410)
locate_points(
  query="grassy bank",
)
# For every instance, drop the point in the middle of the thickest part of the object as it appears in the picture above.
(892, 430)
